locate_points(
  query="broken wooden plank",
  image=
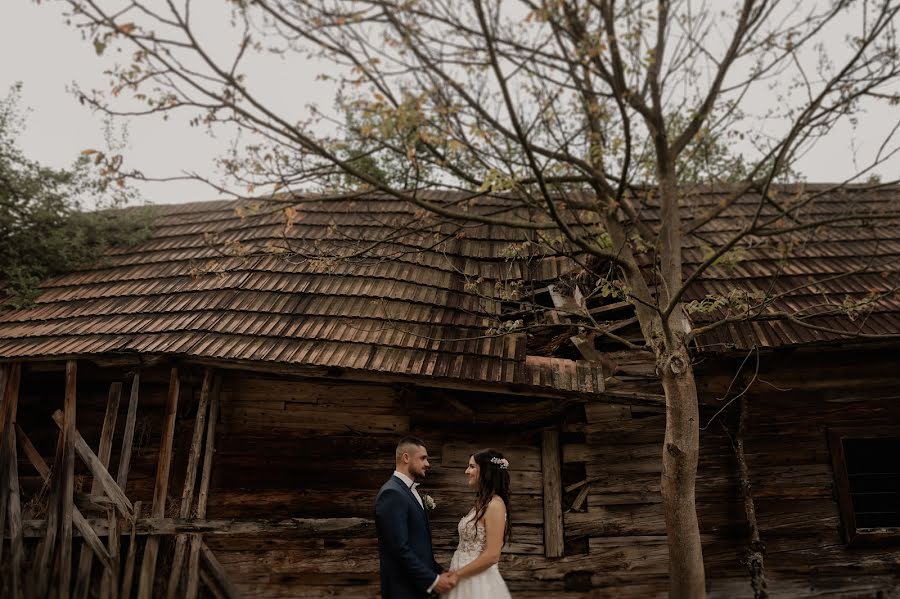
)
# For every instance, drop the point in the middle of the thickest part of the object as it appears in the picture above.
(187, 492)
(128, 435)
(193, 583)
(83, 578)
(160, 491)
(81, 524)
(552, 485)
(110, 488)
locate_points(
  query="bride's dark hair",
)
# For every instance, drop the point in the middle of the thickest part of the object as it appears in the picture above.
(492, 480)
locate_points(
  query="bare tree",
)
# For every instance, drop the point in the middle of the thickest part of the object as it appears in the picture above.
(588, 116)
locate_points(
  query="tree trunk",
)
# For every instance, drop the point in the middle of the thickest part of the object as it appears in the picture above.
(681, 449)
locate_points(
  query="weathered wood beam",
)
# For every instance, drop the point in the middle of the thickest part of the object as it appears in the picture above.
(190, 477)
(552, 482)
(217, 572)
(85, 559)
(290, 528)
(161, 489)
(193, 578)
(81, 524)
(99, 472)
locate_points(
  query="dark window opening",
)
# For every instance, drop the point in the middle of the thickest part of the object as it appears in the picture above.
(873, 470)
(866, 465)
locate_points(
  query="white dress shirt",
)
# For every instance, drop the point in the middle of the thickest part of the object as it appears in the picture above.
(412, 487)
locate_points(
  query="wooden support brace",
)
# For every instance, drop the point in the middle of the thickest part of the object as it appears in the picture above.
(552, 479)
(78, 519)
(99, 472)
(160, 492)
(83, 578)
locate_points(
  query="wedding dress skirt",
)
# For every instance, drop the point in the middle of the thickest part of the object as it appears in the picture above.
(484, 585)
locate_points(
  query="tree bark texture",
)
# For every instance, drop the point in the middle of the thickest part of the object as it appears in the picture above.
(681, 448)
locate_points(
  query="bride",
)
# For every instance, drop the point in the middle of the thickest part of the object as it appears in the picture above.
(483, 531)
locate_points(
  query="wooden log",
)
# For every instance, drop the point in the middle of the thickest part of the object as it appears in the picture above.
(61, 587)
(161, 489)
(83, 578)
(217, 572)
(190, 477)
(193, 582)
(554, 539)
(99, 472)
(128, 574)
(81, 524)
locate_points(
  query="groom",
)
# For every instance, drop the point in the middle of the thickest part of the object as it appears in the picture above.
(408, 569)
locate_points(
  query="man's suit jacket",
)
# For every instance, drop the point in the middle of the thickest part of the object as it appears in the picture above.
(407, 561)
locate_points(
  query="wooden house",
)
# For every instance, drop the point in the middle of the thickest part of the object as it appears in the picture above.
(210, 412)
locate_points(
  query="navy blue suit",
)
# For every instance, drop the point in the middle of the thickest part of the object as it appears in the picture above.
(404, 543)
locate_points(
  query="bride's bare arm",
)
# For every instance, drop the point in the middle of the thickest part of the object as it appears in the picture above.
(494, 527)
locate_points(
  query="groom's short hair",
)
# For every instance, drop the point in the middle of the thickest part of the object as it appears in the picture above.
(406, 444)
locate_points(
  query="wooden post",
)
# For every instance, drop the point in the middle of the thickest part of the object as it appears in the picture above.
(193, 584)
(17, 549)
(552, 478)
(160, 492)
(190, 477)
(67, 483)
(5, 375)
(83, 579)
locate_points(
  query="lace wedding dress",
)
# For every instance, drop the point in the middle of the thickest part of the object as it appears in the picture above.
(484, 585)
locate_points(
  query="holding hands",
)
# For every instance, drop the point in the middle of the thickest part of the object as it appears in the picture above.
(446, 582)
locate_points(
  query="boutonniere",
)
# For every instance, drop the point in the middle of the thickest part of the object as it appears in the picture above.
(428, 502)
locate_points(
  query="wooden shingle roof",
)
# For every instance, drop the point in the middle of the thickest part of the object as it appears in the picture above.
(210, 283)
(402, 309)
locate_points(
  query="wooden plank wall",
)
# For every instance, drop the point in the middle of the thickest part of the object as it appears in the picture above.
(318, 449)
(790, 466)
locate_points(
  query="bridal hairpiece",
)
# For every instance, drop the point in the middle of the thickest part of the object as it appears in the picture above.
(502, 462)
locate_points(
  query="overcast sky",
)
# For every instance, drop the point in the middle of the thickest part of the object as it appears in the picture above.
(46, 55)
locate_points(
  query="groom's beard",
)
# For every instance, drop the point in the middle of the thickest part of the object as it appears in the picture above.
(417, 476)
